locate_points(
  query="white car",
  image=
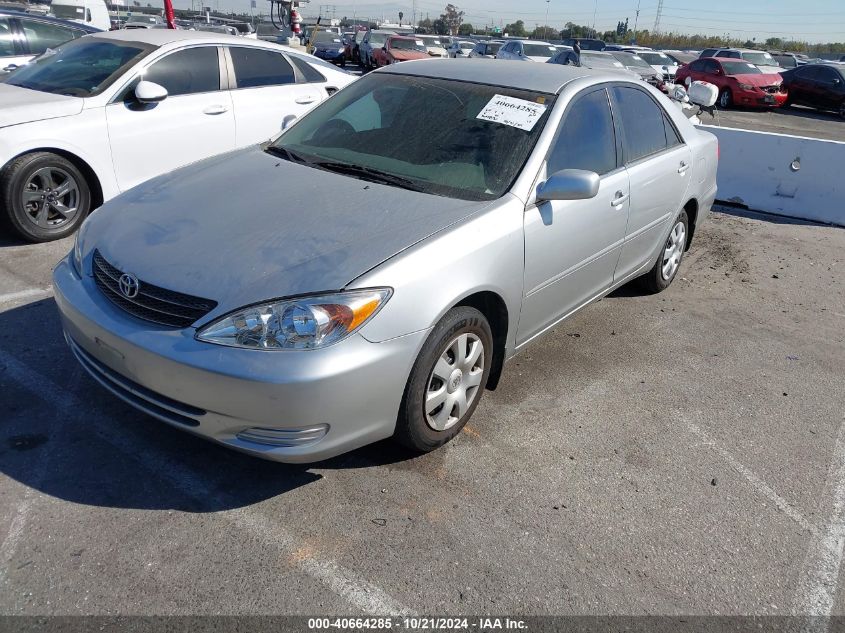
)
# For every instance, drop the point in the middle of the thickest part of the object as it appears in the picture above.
(433, 45)
(105, 112)
(460, 48)
(527, 51)
(661, 62)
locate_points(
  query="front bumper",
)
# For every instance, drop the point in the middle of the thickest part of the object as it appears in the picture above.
(353, 388)
(760, 99)
(331, 56)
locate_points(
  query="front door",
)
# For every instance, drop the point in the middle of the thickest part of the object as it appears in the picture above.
(195, 121)
(572, 246)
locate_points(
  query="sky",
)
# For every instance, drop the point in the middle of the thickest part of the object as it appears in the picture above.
(809, 20)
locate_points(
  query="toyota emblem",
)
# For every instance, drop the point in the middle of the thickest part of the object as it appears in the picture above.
(129, 285)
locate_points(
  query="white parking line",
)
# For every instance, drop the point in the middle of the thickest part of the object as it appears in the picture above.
(358, 592)
(758, 484)
(9, 546)
(25, 294)
(819, 580)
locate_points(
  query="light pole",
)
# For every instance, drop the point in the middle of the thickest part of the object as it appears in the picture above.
(546, 23)
(636, 19)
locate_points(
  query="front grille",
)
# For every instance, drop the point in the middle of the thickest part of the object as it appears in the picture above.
(772, 89)
(138, 396)
(152, 303)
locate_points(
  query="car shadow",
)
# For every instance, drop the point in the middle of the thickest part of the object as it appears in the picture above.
(742, 211)
(65, 436)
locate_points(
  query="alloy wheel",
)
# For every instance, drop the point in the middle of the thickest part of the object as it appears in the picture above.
(454, 382)
(50, 197)
(674, 251)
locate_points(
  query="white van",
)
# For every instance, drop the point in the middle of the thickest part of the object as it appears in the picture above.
(91, 12)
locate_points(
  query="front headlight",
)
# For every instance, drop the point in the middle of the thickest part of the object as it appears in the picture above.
(77, 255)
(299, 323)
(746, 86)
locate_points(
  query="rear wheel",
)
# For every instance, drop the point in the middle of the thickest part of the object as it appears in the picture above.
(447, 380)
(842, 110)
(726, 98)
(45, 196)
(669, 261)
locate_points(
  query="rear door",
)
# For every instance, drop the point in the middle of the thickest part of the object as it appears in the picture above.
(828, 88)
(195, 121)
(658, 163)
(265, 90)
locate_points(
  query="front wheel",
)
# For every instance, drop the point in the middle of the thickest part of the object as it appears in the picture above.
(45, 196)
(447, 380)
(726, 99)
(666, 267)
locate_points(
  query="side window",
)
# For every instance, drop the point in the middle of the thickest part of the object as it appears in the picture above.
(643, 123)
(309, 73)
(710, 66)
(41, 35)
(697, 66)
(734, 55)
(255, 67)
(808, 72)
(6, 46)
(586, 139)
(826, 75)
(186, 72)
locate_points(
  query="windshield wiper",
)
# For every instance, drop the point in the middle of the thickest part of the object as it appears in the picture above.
(283, 152)
(368, 173)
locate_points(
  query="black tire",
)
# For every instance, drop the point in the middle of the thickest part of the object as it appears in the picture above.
(412, 428)
(21, 175)
(343, 63)
(726, 99)
(655, 281)
(842, 110)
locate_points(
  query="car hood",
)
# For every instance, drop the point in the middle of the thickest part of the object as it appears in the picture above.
(535, 58)
(437, 51)
(21, 105)
(770, 70)
(329, 46)
(770, 79)
(247, 226)
(402, 56)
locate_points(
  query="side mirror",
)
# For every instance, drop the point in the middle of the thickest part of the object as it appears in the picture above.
(149, 92)
(569, 184)
(384, 48)
(288, 121)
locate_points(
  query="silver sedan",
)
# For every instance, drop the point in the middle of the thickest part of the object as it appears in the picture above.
(367, 273)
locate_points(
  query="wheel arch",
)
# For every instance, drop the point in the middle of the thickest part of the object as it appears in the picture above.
(691, 207)
(87, 171)
(495, 310)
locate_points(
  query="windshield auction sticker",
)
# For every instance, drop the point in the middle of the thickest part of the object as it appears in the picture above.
(511, 111)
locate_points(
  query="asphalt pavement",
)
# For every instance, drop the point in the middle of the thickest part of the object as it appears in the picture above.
(674, 454)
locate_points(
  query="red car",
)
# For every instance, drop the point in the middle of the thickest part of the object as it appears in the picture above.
(739, 82)
(399, 49)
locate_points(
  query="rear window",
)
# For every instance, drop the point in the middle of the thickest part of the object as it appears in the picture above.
(539, 50)
(255, 68)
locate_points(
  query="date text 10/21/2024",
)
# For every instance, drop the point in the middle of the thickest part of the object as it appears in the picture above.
(418, 623)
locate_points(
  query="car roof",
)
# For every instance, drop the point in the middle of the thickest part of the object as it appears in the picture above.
(548, 78)
(50, 19)
(160, 37)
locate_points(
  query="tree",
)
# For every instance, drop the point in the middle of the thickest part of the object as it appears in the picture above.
(543, 33)
(440, 27)
(452, 18)
(465, 29)
(774, 42)
(517, 29)
(425, 26)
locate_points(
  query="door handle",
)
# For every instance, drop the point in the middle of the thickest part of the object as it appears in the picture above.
(683, 168)
(215, 109)
(10, 68)
(306, 100)
(618, 199)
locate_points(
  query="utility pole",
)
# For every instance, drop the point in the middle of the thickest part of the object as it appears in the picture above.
(636, 20)
(595, 11)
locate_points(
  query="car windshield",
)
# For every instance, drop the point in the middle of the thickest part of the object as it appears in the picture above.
(539, 50)
(467, 46)
(761, 59)
(143, 19)
(326, 37)
(493, 48)
(79, 68)
(657, 59)
(632, 60)
(592, 60)
(377, 39)
(785, 61)
(443, 137)
(67, 11)
(740, 68)
(408, 45)
(432, 41)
